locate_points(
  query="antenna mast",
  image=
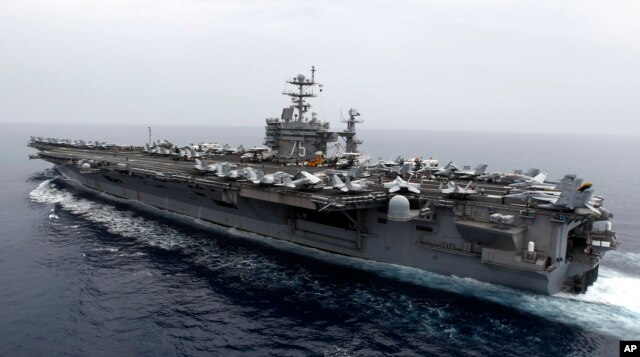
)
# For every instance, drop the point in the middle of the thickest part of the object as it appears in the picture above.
(305, 90)
(349, 135)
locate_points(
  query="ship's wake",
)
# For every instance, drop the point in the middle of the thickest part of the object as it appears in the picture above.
(46, 174)
(610, 306)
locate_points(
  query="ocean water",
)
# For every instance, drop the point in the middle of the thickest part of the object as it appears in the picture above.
(81, 274)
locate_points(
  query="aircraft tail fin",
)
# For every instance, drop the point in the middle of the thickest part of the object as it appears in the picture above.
(480, 169)
(568, 191)
(539, 178)
(336, 181)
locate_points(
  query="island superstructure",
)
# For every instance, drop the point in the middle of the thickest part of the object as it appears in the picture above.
(433, 218)
(298, 136)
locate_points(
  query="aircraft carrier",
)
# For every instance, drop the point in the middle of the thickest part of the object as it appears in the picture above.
(527, 234)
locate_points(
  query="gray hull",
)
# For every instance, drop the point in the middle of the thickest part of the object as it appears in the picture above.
(431, 244)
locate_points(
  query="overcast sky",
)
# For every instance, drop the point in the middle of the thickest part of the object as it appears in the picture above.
(543, 66)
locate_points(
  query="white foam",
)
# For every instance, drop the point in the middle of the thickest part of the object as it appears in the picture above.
(116, 222)
(628, 258)
(613, 288)
(610, 305)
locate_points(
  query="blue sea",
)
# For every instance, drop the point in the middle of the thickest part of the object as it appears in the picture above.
(82, 275)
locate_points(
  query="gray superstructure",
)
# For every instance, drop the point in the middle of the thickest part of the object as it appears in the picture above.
(297, 136)
(487, 234)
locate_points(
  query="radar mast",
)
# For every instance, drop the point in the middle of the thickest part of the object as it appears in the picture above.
(349, 135)
(298, 97)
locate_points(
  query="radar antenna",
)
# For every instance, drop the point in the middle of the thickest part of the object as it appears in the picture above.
(304, 90)
(349, 134)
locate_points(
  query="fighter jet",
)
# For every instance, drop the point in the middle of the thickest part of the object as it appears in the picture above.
(196, 154)
(180, 154)
(490, 177)
(224, 169)
(446, 171)
(537, 180)
(383, 166)
(306, 181)
(204, 167)
(401, 185)
(467, 174)
(524, 196)
(257, 154)
(570, 194)
(238, 174)
(573, 194)
(208, 147)
(348, 185)
(455, 191)
(518, 176)
(348, 160)
(354, 172)
(250, 174)
(228, 150)
(276, 178)
(159, 150)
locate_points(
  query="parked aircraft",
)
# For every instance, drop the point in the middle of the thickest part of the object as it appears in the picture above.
(401, 185)
(257, 154)
(306, 181)
(446, 171)
(467, 174)
(537, 180)
(204, 167)
(276, 178)
(348, 185)
(348, 160)
(454, 190)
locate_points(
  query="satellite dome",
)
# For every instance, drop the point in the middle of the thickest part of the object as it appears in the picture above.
(300, 77)
(399, 209)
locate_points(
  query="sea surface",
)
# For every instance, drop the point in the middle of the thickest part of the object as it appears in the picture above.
(82, 275)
